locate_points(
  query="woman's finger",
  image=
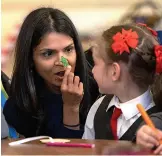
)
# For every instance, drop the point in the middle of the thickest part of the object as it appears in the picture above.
(81, 89)
(76, 81)
(70, 79)
(65, 79)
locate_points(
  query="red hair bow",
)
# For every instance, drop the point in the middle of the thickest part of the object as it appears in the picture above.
(150, 29)
(125, 40)
(158, 53)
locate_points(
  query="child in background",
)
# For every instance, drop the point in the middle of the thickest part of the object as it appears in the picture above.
(127, 59)
(160, 36)
(148, 138)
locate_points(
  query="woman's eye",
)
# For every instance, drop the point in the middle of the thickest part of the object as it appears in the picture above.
(47, 53)
(69, 49)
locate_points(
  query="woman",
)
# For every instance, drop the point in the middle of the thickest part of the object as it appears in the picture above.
(46, 97)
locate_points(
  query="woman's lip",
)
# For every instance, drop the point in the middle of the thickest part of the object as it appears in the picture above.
(59, 77)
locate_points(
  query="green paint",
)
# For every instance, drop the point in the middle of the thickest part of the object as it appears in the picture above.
(64, 61)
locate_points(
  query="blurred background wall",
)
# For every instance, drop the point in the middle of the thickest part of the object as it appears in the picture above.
(89, 16)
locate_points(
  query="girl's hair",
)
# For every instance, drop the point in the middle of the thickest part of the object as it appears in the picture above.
(24, 86)
(141, 61)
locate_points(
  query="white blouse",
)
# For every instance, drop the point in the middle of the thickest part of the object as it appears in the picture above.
(129, 114)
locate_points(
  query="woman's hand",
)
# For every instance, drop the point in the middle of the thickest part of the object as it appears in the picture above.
(72, 95)
(72, 89)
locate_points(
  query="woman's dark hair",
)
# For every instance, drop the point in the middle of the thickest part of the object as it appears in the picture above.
(141, 61)
(88, 54)
(24, 86)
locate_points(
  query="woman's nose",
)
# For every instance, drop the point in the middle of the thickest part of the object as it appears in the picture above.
(59, 56)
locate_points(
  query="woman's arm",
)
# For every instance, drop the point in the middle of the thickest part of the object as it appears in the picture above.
(72, 94)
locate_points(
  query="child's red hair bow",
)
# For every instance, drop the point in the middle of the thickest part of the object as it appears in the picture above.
(124, 40)
(158, 53)
(150, 29)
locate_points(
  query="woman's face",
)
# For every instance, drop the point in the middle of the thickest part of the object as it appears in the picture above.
(47, 56)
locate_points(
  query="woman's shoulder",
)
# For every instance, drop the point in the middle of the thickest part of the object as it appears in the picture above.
(12, 111)
(23, 122)
(10, 103)
(10, 108)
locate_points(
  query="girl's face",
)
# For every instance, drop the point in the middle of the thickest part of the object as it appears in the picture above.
(102, 71)
(47, 56)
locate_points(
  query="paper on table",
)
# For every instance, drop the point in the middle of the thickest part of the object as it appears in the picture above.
(55, 140)
(44, 139)
(28, 140)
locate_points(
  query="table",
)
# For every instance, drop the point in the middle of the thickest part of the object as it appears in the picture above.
(37, 148)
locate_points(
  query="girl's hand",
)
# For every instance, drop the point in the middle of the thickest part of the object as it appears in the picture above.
(147, 137)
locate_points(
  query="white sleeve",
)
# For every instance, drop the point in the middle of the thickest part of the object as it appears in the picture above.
(89, 127)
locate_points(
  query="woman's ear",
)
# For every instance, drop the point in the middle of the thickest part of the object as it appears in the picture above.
(116, 70)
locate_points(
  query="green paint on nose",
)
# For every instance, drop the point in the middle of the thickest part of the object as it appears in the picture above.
(64, 61)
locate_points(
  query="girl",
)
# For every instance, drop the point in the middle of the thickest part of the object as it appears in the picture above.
(46, 97)
(126, 60)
